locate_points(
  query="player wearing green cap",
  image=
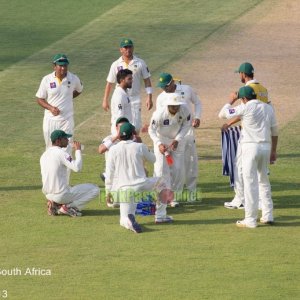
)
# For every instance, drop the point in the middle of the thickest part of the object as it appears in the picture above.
(187, 95)
(258, 147)
(55, 94)
(140, 74)
(246, 72)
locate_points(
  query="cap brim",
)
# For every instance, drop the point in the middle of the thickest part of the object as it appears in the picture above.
(122, 119)
(68, 135)
(61, 63)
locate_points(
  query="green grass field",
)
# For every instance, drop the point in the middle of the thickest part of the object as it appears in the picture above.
(202, 255)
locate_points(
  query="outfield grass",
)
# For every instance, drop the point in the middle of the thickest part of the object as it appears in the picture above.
(202, 255)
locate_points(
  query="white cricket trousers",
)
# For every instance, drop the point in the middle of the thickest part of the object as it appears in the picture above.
(255, 159)
(173, 175)
(49, 125)
(130, 195)
(136, 111)
(77, 196)
(190, 161)
(239, 197)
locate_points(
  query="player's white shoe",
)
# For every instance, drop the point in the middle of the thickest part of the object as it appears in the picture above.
(165, 219)
(243, 224)
(232, 205)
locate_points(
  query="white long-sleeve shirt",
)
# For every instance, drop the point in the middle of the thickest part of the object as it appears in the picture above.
(55, 163)
(259, 122)
(124, 165)
(166, 127)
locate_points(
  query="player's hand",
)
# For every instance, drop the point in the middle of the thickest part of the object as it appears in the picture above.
(162, 148)
(149, 103)
(76, 145)
(273, 157)
(196, 123)
(174, 145)
(233, 96)
(225, 127)
(55, 111)
(105, 105)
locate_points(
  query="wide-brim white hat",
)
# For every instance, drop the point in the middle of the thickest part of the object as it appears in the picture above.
(173, 99)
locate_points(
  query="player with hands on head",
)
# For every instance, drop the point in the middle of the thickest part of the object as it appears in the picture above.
(258, 147)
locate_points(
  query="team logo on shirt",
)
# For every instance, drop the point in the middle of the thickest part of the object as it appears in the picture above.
(231, 110)
(120, 68)
(166, 122)
(128, 99)
(69, 158)
(52, 85)
(120, 106)
(153, 122)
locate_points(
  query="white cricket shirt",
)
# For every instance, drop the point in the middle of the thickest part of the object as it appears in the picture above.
(59, 94)
(54, 169)
(139, 69)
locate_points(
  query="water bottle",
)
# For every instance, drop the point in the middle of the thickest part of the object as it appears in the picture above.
(169, 158)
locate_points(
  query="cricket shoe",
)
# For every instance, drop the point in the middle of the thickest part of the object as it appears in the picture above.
(112, 204)
(69, 211)
(133, 224)
(231, 205)
(52, 208)
(102, 176)
(166, 219)
(264, 222)
(243, 224)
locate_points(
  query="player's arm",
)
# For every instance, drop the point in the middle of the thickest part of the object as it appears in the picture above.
(43, 103)
(149, 91)
(108, 88)
(107, 143)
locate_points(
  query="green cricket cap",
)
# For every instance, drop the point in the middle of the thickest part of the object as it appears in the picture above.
(246, 92)
(126, 129)
(126, 43)
(60, 59)
(121, 120)
(246, 68)
(164, 80)
(58, 134)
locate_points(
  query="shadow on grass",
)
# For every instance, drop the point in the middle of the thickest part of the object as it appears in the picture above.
(21, 188)
(101, 212)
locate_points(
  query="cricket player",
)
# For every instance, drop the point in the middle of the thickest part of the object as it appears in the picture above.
(55, 163)
(246, 72)
(258, 147)
(140, 73)
(104, 147)
(169, 125)
(126, 174)
(120, 101)
(55, 94)
(190, 98)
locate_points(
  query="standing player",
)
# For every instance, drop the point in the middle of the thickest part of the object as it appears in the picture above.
(169, 125)
(246, 72)
(258, 147)
(140, 73)
(120, 101)
(55, 94)
(188, 96)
